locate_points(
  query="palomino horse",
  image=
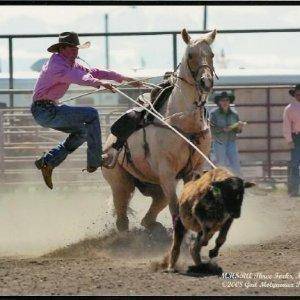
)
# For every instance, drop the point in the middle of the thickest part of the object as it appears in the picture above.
(168, 158)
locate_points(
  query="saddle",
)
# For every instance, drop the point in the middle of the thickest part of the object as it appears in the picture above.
(137, 117)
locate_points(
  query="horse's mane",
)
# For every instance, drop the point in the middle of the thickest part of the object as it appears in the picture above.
(201, 186)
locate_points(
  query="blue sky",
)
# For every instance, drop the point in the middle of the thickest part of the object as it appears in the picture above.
(253, 51)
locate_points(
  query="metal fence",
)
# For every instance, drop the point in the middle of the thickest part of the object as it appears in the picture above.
(173, 34)
(262, 156)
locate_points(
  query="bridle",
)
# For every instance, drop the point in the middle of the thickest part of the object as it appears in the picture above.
(194, 74)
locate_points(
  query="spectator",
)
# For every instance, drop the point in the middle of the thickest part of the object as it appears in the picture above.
(225, 125)
(291, 133)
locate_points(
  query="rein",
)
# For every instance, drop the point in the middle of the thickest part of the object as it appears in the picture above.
(199, 103)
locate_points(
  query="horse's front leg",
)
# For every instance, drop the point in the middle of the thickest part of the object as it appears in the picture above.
(220, 240)
(178, 235)
(168, 185)
(168, 182)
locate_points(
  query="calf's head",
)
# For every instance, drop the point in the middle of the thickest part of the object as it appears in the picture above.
(231, 192)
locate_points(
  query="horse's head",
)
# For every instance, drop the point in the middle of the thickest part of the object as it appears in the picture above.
(198, 60)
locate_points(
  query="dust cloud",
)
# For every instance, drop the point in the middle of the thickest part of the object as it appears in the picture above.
(34, 222)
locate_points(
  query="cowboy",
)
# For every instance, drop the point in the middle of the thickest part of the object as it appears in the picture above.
(225, 125)
(291, 133)
(82, 123)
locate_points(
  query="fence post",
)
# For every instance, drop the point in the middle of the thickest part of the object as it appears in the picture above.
(205, 18)
(11, 70)
(1, 146)
(106, 42)
(269, 154)
(174, 51)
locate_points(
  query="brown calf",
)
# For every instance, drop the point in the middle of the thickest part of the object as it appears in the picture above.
(207, 205)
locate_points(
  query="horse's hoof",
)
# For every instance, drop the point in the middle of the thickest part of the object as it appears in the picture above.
(154, 226)
(122, 225)
(158, 231)
(157, 226)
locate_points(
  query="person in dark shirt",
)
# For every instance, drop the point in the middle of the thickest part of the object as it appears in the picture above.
(225, 125)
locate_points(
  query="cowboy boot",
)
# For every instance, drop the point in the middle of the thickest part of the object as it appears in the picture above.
(91, 169)
(109, 159)
(46, 171)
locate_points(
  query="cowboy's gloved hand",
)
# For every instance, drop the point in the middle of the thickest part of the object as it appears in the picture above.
(107, 86)
(135, 82)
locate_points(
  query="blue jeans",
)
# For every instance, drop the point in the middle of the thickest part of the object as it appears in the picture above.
(81, 122)
(226, 154)
(293, 173)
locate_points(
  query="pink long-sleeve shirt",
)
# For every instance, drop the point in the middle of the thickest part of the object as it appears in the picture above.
(58, 73)
(291, 120)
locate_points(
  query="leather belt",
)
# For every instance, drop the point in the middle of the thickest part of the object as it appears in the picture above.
(44, 102)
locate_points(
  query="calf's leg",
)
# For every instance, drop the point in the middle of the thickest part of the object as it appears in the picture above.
(195, 249)
(221, 238)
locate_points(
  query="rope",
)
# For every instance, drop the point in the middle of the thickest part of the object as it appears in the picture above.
(81, 95)
(118, 85)
(168, 125)
(152, 106)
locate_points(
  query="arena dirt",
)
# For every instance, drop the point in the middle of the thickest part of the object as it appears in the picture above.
(64, 242)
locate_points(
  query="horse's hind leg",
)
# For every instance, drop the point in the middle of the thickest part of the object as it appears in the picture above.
(121, 198)
(159, 202)
(122, 187)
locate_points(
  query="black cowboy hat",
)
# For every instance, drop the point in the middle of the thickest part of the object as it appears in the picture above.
(292, 91)
(68, 38)
(219, 96)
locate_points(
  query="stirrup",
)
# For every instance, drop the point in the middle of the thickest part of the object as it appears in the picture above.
(90, 169)
(112, 163)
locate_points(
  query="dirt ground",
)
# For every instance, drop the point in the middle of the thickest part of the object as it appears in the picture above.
(54, 244)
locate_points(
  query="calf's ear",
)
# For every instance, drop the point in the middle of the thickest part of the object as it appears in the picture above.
(248, 184)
